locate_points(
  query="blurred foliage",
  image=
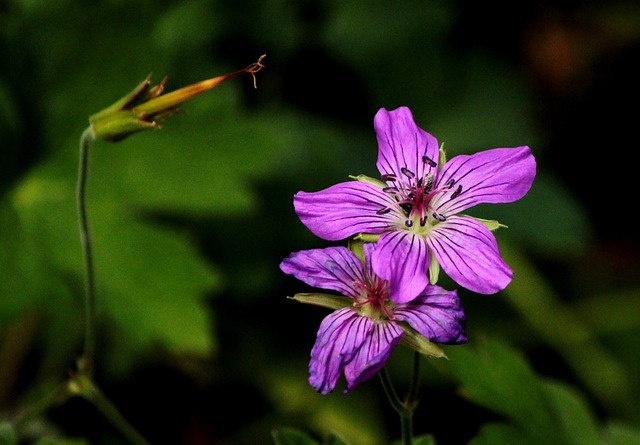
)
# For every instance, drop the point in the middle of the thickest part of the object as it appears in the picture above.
(197, 342)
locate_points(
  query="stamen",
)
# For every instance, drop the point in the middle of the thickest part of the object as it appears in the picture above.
(392, 189)
(408, 173)
(427, 160)
(450, 183)
(457, 192)
(408, 223)
(388, 177)
(423, 221)
(383, 211)
(428, 184)
(439, 217)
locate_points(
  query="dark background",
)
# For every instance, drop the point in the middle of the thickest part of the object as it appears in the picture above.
(198, 343)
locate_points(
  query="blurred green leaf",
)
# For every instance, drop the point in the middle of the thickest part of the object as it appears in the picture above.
(334, 439)
(425, 439)
(502, 434)
(621, 434)
(497, 377)
(576, 422)
(7, 434)
(290, 436)
(60, 441)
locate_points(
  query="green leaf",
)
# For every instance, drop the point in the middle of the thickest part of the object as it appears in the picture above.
(7, 434)
(291, 436)
(502, 434)
(575, 421)
(617, 433)
(497, 377)
(334, 439)
(425, 439)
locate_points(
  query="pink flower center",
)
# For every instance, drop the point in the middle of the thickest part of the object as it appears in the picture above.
(374, 302)
(414, 195)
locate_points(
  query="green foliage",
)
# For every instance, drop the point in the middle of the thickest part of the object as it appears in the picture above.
(536, 409)
(190, 222)
(7, 434)
(292, 436)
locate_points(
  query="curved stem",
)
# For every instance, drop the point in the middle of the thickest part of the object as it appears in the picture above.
(390, 391)
(405, 408)
(109, 410)
(85, 237)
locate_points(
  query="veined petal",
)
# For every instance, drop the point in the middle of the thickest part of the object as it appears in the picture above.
(437, 314)
(468, 253)
(345, 209)
(340, 336)
(334, 268)
(402, 144)
(499, 175)
(402, 258)
(373, 354)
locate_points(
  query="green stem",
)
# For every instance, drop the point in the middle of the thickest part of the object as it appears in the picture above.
(109, 410)
(86, 362)
(405, 408)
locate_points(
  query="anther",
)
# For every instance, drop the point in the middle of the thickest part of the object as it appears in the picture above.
(439, 217)
(408, 173)
(457, 192)
(427, 160)
(388, 177)
(423, 221)
(450, 183)
(390, 189)
(383, 211)
(408, 223)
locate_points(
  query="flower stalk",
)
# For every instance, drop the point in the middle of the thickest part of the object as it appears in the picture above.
(405, 408)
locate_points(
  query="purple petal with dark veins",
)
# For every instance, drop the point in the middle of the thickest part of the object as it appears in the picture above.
(493, 176)
(468, 253)
(402, 144)
(437, 314)
(402, 258)
(345, 209)
(373, 354)
(340, 336)
(334, 268)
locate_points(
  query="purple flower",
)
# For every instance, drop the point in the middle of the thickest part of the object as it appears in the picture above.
(415, 209)
(360, 335)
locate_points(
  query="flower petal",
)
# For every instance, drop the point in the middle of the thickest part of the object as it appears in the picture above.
(344, 209)
(340, 336)
(373, 354)
(437, 314)
(334, 268)
(402, 258)
(493, 176)
(402, 144)
(468, 253)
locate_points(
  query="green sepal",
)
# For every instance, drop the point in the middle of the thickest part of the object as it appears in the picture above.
(419, 343)
(442, 158)
(118, 125)
(330, 301)
(434, 268)
(367, 237)
(369, 180)
(356, 245)
(490, 224)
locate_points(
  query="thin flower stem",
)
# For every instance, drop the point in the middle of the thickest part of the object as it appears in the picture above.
(86, 362)
(390, 391)
(58, 395)
(109, 410)
(415, 381)
(407, 407)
